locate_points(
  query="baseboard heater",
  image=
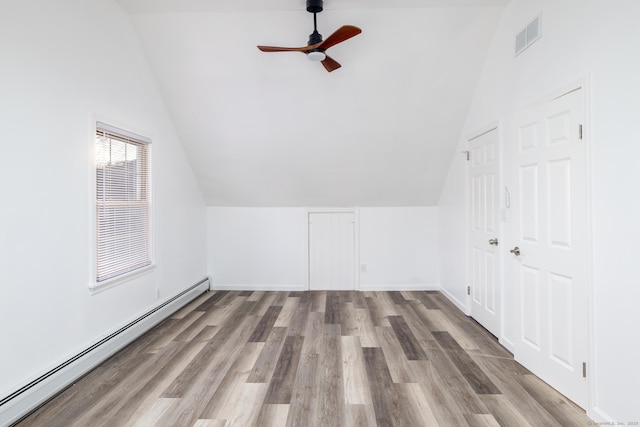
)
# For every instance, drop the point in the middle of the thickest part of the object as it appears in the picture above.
(27, 398)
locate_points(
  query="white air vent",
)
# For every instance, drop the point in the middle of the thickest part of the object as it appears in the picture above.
(528, 35)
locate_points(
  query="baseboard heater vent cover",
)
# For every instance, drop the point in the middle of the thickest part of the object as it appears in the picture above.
(29, 397)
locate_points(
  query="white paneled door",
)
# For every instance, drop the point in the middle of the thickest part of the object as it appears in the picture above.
(551, 253)
(332, 251)
(484, 260)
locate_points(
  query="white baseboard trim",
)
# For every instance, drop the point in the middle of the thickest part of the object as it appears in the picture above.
(280, 287)
(597, 415)
(412, 287)
(22, 401)
(462, 306)
(257, 287)
(507, 343)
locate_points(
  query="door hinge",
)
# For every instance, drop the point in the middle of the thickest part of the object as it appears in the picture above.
(584, 369)
(580, 131)
(468, 290)
(468, 153)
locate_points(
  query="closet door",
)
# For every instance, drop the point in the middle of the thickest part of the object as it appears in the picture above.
(332, 251)
(485, 258)
(551, 245)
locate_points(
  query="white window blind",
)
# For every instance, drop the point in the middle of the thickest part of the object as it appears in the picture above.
(123, 202)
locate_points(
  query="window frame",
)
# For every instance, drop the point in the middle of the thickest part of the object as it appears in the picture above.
(101, 128)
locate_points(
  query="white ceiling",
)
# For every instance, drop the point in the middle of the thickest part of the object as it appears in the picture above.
(274, 129)
(175, 6)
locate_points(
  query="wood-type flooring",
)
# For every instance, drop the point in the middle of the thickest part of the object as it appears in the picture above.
(232, 358)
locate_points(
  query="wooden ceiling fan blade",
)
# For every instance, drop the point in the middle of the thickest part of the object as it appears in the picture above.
(341, 34)
(330, 64)
(283, 49)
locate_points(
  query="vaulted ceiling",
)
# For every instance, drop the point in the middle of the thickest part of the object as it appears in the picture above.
(274, 129)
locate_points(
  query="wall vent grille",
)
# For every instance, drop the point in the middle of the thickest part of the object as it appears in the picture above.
(528, 35)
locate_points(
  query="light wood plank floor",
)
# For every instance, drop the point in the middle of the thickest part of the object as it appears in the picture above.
(312, 359)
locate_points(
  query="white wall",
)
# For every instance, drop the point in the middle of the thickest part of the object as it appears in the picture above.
(64, 64)
(254, 248)
(266, 248)
(452, 236)
(399, 246)
(593, 39)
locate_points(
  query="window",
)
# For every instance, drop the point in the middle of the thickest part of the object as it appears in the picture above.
(123, 202)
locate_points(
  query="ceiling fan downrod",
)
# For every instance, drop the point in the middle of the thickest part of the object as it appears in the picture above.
(314, 37)
(315, 7)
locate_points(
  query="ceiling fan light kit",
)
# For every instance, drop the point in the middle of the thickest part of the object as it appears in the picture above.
(316, 55)
(316, 47)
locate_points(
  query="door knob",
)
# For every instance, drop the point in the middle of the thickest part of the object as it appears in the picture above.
(493, 242)
(515, 251)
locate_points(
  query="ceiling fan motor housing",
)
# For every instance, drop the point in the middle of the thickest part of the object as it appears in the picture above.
(314, 38)
(314, 6)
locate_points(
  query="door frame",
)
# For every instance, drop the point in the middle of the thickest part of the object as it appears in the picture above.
(356, 244)
(583, 83)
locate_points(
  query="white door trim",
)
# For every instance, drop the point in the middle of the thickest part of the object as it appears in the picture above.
(585, 83)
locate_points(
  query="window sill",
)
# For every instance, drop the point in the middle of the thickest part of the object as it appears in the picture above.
(117, 281)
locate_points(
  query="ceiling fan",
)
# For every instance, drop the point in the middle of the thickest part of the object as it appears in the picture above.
(316, 47)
